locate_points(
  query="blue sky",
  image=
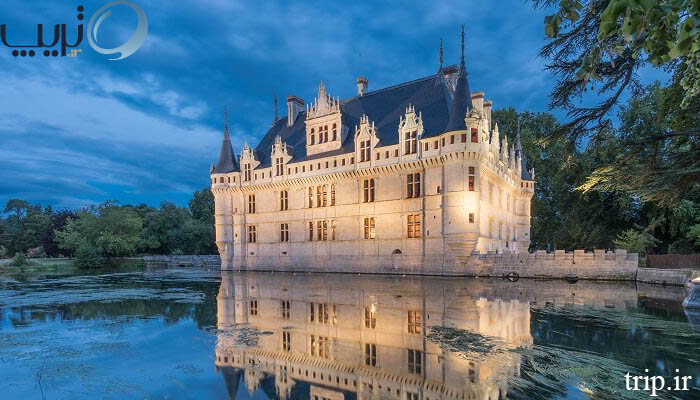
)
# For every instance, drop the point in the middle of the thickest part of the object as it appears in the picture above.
(75, 131)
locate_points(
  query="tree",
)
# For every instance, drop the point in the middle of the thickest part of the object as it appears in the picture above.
(601, 44)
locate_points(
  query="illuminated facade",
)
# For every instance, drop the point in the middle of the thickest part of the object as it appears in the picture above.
(414, 175)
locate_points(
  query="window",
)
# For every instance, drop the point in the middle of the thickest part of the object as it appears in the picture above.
(284, 200)
(415, 361)
(319, 194)
(410, 142)
(322, 230)
(378, 156)
(319, 346)
(246, 172)
(370, 317)
(342, 162)
(452, 139)
(471, 183)
(396, 152)
(252, 234)
(414, 226)
(311, 231)
(311, 197)
(284, 232)
(279, 166)
(411, 396)
(471, 218)
(286, 308)
(352, 160)
(253, 306)
(435, 145)
(286, 341)
(333, 194)
(335, 163)
(312, 312)
(464, 138)
(369, 228)
(364, 151)
(413, 185)
(368, 190)
(322, 312)
(386, 154)
(335, 132)
(371, 354)
(475, 136)
(325, 195)
(251, 203)
(425, 146)
(442, 142)
(414, 322)
(313, 136)
(333, 234)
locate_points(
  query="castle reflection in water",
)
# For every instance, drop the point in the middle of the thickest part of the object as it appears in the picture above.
(346, 337)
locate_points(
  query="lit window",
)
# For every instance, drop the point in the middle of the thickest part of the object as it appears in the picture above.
(311, 231)
(413, 222)
(369, 228)
(471, 218)
(311, 197)
(370, 318)
(333, 234)
(414, 322)
(279, 166)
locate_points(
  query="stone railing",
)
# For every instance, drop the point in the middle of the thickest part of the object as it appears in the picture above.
(212, 261)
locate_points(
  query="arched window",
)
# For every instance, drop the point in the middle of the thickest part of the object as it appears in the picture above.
(335, 132)
(313, 137)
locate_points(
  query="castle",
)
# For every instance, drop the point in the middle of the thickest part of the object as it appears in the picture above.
(408, 176)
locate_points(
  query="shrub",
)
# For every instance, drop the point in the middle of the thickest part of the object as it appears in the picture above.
(20, 260)
(87, 256)
(3, 252)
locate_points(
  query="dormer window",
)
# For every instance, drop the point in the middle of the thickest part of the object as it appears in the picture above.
(246, 172)
(365, 150)
(335, 132)
(410, 142)
(279, 166)
(313, 137)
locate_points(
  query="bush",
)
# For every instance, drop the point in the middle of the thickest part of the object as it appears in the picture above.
(20, 260)
(3, 252)
(36, 252)
(87, 256)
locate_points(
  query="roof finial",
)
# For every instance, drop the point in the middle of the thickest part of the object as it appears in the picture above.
(462, 61)
(519, 147)
(440, 53)
(226, 134)
(275, 107)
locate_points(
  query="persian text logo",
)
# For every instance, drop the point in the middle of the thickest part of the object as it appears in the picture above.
(70, 50)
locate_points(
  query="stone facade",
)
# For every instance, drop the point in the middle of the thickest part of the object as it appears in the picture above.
(412, 176)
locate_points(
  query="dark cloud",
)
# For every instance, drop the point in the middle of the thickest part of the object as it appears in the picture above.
(146, 128)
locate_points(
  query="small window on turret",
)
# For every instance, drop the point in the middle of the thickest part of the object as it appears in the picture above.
(475, 136)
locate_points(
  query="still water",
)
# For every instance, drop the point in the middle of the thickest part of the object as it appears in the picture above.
(195, 334)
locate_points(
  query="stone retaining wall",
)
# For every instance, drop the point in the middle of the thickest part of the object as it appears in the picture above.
(599, 265)
(666, 276)
(174, 261)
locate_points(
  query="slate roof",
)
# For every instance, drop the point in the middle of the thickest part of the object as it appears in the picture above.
(227, 161)
(432, 96)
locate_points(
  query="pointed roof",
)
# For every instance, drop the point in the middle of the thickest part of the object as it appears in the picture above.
(462, 101)
(227, 160)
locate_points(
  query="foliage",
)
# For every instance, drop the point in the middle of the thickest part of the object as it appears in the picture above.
(110, 230)
(20, 260)
(636, 240)
(87, 256)
(601, 44)
(563, 218)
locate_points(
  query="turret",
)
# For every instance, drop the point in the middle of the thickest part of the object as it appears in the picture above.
(227, 160)
(462, 101)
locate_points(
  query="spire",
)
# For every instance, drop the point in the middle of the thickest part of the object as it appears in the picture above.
(275, 121)
(462, 101)
(227, 160)
(461, 64)
(441, 53)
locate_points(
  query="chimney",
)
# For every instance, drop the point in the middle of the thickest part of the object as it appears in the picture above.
(294, 106)
(362, 85)
(478, 101)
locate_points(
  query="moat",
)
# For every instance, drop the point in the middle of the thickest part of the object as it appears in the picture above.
(181, 333)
